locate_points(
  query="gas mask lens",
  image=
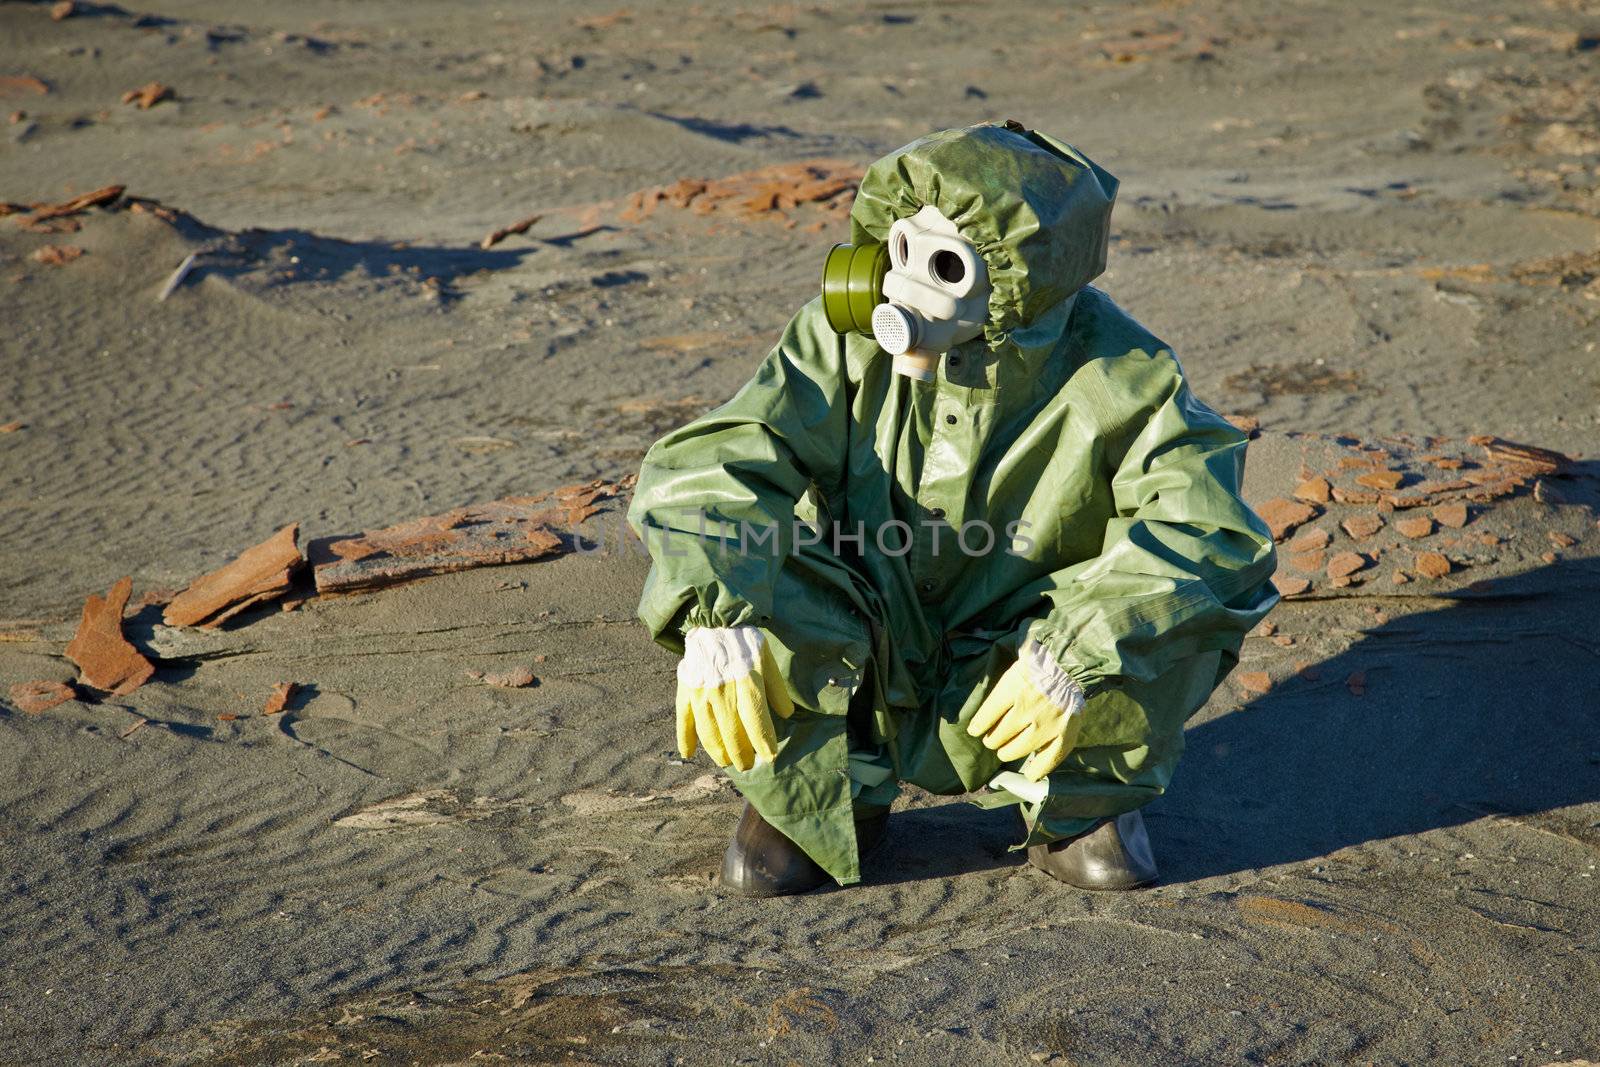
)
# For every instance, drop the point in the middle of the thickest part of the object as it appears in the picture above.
(943, 260)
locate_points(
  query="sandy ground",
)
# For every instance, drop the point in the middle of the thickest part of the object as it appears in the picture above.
(1364, 220)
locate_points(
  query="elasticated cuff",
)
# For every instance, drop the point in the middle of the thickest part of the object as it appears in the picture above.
(1059, 650)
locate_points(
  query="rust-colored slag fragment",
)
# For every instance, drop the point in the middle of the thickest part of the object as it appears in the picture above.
(278, 699)
(148, 95)
(35, 698)
(516, 529)
(767, 192)
(105, 659)
(1432, 564)
(1282, 515)
(262, 573)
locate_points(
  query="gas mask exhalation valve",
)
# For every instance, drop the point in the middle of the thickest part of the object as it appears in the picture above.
(925, 293)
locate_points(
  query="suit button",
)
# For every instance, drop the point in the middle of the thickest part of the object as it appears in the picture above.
(927, 585)
(937, 513)
(951, 419)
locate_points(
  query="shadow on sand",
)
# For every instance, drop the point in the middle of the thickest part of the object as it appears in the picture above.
(1488, 706)
(288, 256)
(300, 255)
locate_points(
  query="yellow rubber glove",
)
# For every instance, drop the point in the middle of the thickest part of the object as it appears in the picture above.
(728, 687)
(1034, 710)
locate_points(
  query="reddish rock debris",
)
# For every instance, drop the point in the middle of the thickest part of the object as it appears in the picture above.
(1254, 681)
(1363, 525)
(38, 697)
(279, 699)
(56, 255)
(1310, 562)
(1381, 479)
(1310, 540)
(1527, 459)
(22, 83)
(1415, 527)
(259, 574)
(513, 530)
(1314, 491)
(1282, 515)
(1344, 564)
(105, 659)
(1291, 586)
(1451, 515)
(1432, 564)
(514, 678)
(496, 236)
(766, 192)
(82, 202)
(148, 95)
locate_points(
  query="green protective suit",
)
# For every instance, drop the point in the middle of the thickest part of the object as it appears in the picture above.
(1134, 562)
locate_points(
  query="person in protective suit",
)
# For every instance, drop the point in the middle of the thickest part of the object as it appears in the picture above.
(967, 526)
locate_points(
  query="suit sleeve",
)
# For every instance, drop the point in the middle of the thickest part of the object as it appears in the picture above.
(1185, 565)
(716, 499)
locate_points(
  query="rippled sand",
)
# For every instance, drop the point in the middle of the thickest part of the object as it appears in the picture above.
(1365, 221)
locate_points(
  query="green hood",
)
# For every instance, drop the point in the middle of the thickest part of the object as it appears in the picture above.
(1036, 209)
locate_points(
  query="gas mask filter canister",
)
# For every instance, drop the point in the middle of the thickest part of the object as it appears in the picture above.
(920, 296)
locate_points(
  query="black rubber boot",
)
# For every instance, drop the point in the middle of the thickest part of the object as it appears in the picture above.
(762, 862)
(1113, 854)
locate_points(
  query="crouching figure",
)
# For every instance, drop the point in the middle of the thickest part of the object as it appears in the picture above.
(966, 527)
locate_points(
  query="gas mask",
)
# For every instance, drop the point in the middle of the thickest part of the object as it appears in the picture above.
(919, 295)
